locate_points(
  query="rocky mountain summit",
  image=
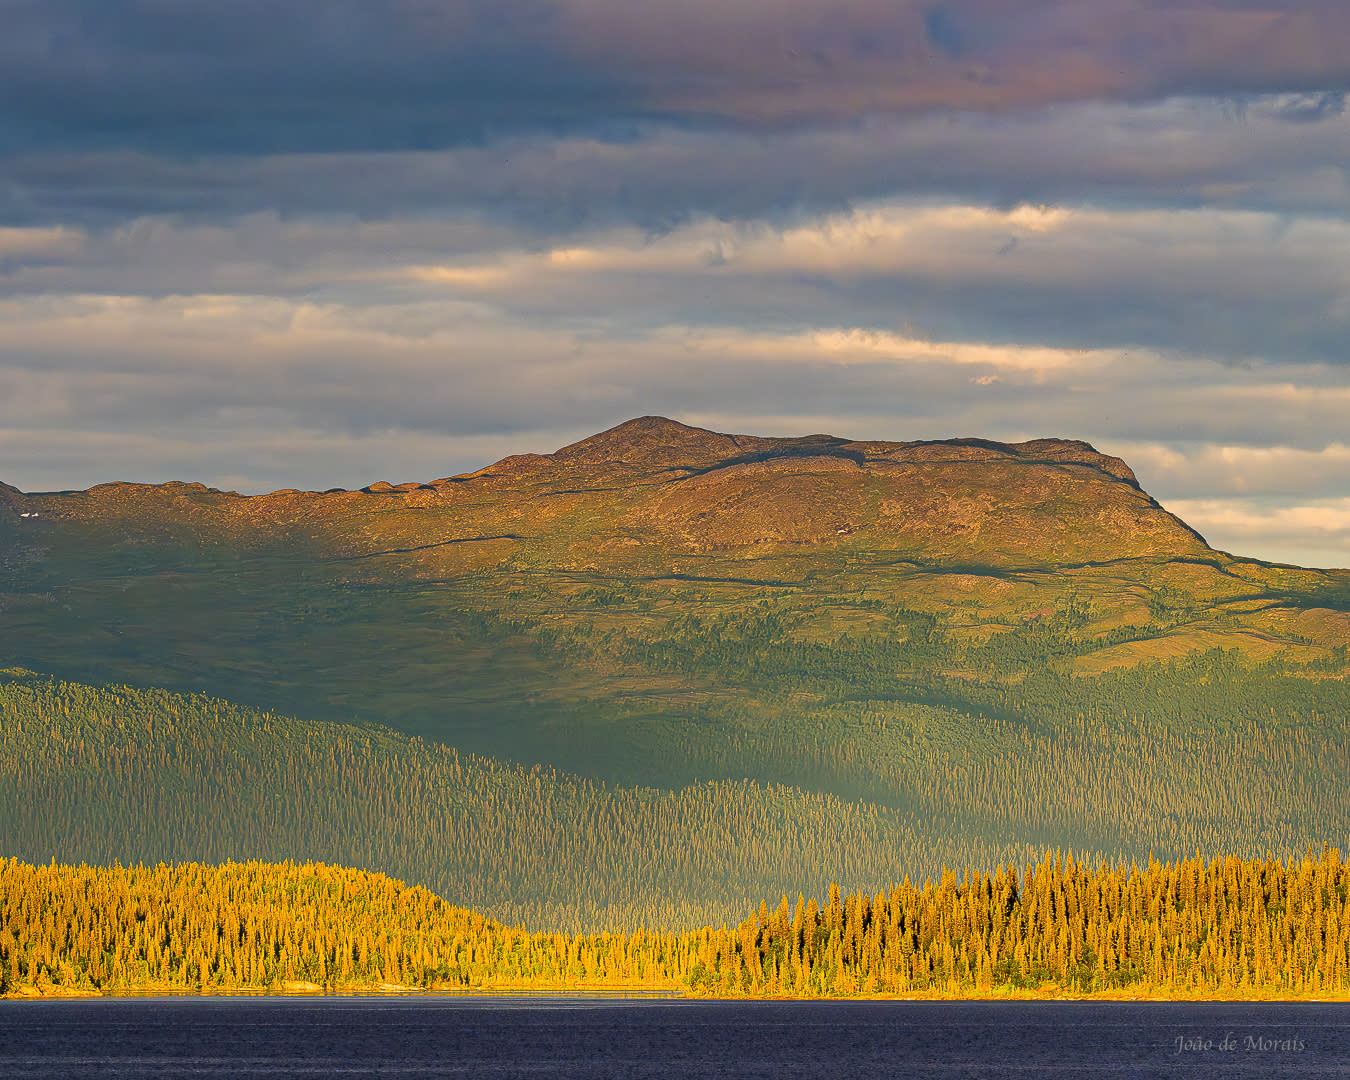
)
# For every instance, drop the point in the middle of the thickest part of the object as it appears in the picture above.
(1048, 501)
(655, 487)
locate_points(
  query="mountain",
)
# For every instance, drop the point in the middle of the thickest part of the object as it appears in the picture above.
(977, 533)
(651, 490)
(1013, 643)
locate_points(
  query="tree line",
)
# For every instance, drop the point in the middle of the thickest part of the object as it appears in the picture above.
(1222, 927)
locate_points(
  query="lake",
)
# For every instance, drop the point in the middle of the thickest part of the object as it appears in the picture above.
(589, 1039)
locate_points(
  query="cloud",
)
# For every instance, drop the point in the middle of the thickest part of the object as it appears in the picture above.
(1313, 533)
(249, 452)
(1181, 154)
(899, 320)
(258, 77)
(32, 245)
(1232, 286)
(307, 76)
(138, 364)
(1198, 470)
(1312, 108)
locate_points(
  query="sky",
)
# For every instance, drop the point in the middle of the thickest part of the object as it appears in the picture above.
(319, 243)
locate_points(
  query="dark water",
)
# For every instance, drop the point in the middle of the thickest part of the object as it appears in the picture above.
(582, 1039)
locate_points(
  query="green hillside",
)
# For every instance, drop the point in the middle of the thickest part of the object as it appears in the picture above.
(116, 774)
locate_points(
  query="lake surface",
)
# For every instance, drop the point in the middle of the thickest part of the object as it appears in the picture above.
(587, 1039)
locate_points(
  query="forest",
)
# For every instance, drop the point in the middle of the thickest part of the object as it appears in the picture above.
(105, 774)
(1191, 928)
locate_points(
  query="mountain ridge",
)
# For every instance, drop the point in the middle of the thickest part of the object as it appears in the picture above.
(648, 436)
(655, 482)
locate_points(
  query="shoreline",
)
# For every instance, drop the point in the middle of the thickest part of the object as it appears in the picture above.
(656, 994)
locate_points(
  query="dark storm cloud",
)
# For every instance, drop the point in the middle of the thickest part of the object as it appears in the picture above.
(261, 76)
(257, 76)
(1189, 152)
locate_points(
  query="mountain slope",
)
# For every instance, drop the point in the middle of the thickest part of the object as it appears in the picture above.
(114, 774)
(659, 603)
